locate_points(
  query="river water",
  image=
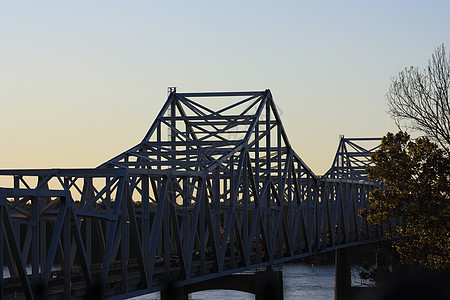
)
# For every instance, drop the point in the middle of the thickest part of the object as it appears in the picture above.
(300, 281)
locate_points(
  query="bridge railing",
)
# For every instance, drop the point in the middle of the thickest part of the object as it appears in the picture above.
(130, 231)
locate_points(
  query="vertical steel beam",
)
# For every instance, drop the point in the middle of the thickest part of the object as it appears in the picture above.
(42, 241)
(124, 246)
(245, 202)
(256, 153)
(81, 249)
(185, 214)
(268, 171)
(88, 195)
(203, 203)
(54, 242)
(279, 161)
(11, 237)
(2, 207)
(146, 221)
(112, 232)
(16, 200)
(166, 229)
(157, 228)
(35, 240)
(216, 185)
(66, 250)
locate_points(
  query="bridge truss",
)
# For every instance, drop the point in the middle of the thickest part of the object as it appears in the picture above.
(214, 188)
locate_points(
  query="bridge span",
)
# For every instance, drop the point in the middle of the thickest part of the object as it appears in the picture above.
(213, 189)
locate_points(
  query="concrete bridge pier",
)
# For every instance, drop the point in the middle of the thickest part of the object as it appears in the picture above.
(343, 289)
(265, 285)
(342, 276)
(173, 292)
(269, 285)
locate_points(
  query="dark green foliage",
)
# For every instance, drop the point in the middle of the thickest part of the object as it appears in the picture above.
(416, 176)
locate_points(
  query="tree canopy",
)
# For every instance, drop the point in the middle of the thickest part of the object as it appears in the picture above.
(416, 177)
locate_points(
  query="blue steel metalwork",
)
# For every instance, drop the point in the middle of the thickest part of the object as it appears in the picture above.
(214, 188)
(353, 157)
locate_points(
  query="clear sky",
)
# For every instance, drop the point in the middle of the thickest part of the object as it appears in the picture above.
(82, 81)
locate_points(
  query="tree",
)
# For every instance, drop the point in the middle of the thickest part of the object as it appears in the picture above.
(419, 99)
(416, 177)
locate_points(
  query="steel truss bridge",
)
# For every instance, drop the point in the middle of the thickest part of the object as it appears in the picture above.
(214, 188)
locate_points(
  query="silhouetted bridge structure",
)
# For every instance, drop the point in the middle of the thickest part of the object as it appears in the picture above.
(213, 189)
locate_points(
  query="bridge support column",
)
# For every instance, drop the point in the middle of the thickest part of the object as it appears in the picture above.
(342, 276)
(269, 285)
(173, 292)
(266, 285)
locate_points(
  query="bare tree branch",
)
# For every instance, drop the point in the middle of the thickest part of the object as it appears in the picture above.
(418, 99)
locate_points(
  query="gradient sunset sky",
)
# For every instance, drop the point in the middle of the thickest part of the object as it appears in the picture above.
(82, 81)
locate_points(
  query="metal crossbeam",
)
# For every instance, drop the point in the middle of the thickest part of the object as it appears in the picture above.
(214, 188)
(352, 158)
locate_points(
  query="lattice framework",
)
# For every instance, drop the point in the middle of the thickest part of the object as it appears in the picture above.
(214, 188)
